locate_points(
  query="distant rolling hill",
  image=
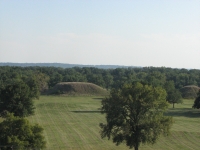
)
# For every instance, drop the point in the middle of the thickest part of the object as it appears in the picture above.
(63, 65)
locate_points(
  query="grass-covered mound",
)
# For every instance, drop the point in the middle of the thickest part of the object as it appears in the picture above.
(189, 91)
(77, 88)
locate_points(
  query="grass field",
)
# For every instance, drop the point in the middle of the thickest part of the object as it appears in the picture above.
(73, 123)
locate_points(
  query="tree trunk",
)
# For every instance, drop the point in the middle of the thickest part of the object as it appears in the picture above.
(136, 147)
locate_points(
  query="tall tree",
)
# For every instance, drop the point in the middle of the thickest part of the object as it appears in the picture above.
(197, 101)
(174, 97)
(17, 133)
(134, 114)
(42, 81)
(17, 97)
(108, 78)
(156, 78)
(173, 94)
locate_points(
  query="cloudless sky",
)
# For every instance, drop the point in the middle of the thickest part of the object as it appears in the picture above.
(101, 32)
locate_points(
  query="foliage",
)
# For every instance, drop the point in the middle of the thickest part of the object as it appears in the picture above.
(173, 95)
(197, 101)
(190, 91)
(156, 79)
(106, 78)
(42, 81)
(134, 114)
(17, 97)
(19, 134)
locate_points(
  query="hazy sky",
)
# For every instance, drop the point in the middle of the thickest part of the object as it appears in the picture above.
(101, 32)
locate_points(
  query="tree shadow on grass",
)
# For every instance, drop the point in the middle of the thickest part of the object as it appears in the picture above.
(183, 112)
(86, 111)
(98, 98)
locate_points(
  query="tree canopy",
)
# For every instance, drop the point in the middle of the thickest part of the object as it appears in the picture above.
(47, 77)
(17, 133)
(197, 101)
(17, 97)
(134, 114)
(173, 95)
(107, 78)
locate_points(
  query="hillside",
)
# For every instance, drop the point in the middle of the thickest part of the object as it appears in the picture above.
(64, 65)
(77, 88)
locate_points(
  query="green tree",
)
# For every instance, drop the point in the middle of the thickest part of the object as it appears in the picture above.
(108, 78)
(55, 78)
(134, 114)
(156, 79)
(17, 97)
(169, 86)
(174, 97)
(42, 81)
(197, 101)
(96, 79)
(19, 134)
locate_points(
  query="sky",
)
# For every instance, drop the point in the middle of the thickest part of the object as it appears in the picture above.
(158, 33)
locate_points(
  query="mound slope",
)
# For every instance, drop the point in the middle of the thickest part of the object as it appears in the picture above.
(190, 91)
(77, 88)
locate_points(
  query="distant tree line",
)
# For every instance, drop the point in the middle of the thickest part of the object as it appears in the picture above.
(107, 78)
(172, 80)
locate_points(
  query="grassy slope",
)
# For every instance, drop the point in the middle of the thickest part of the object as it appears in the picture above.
(72, 123)
(78, 88)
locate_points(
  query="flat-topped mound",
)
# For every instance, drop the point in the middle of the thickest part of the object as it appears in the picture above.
(77, 88)
(190, 91)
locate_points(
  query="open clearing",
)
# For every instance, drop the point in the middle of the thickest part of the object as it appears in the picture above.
(73, 123)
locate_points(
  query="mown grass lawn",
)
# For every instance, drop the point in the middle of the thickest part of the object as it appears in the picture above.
(73, 123)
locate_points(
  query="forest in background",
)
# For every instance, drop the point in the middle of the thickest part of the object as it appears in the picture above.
(47, 77)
